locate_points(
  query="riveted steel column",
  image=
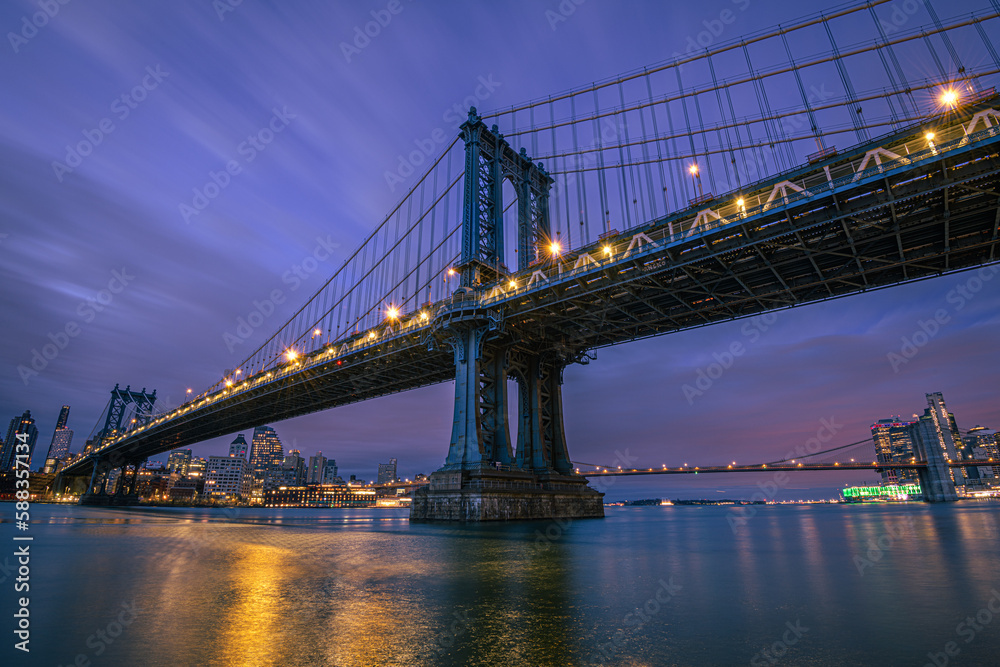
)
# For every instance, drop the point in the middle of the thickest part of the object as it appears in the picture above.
(465, 450)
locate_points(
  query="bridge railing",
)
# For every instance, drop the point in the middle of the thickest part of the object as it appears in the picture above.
(827, 180)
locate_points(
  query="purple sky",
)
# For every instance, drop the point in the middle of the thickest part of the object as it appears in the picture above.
(63, 235)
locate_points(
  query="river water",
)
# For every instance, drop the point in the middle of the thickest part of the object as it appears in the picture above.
(691, 585)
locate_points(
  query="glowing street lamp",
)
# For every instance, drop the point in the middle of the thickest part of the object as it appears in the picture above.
(949, 98)
(555, 248)
(607, 251)
(291, 355)
(693, 169)
(316, 332)
(392, 312)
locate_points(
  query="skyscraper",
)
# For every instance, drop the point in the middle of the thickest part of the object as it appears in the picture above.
(894, 445)
(946, 430)
(23, 425)
(238, 447)
(63, 417)
(267, 453)
(317, 469)
(62, 439)
(387, 472)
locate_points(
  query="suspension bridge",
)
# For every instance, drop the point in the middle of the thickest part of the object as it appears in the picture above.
(813, 161)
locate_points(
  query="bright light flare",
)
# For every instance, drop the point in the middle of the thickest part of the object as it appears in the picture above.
(929, 136)
(693, 169)
(513, 284)
(392, 312)
(555, 248)
(949, 97)
(740, 203)
(423, 316)
(291, 355)
(451, 272)
(607, 250)
(316, 332)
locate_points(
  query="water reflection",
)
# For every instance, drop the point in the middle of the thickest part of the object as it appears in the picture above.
(356, 587)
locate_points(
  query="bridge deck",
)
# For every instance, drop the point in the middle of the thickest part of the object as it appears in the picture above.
(897, 209)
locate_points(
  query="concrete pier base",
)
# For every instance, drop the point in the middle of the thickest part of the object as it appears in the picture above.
(491, 495)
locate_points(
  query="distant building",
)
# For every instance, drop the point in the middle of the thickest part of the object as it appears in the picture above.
(179, 462)
(23, 425)
(62, 439)
(196, 469)
(985, 444)
(937, 426)
(239, 447)
(63, 417)
(387, 472)
(330, 473)
(317, 469)
(266, 453)
(893, 444)
(227, 476)
(292, 471)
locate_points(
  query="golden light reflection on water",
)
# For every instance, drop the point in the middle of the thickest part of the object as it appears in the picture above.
(250, 628)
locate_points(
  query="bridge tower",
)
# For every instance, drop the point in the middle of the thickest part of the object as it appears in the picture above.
(483, 478)
(126, 410)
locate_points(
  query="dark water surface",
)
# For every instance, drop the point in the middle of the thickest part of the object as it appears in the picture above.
(812, 585)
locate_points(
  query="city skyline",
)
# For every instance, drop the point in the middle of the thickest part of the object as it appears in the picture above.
(822, 361)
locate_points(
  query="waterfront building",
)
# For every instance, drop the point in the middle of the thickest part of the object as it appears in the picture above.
(881, 493)
(62, 440)
(319, 495)
(893, 444)
(387, 472)
(22, 425)
(227, 476)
